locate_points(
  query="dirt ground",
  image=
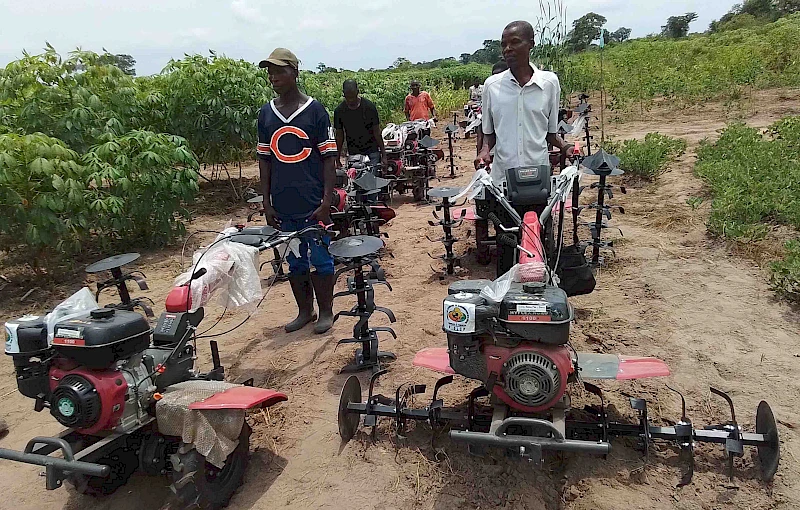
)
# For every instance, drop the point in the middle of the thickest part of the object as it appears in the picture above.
(670, 292)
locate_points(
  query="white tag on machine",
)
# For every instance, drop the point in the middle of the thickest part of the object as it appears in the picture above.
(458, 317)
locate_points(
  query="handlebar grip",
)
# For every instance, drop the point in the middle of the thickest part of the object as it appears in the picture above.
(199, 273)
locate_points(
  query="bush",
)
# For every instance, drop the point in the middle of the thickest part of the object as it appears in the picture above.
(140, 182)
(212, 102)
(75, 100)
(755, 180)
(127, 190)
(43, 195)
(648, 158)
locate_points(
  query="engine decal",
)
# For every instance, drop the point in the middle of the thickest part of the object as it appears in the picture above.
(68, 333)
(59, 340)
(524, 317)
(459, 317)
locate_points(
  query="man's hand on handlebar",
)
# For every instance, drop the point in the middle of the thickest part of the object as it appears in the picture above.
(323, 213)
(271, 216)
(483, 158)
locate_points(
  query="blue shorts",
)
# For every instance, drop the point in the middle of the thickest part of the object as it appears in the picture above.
(318, 250)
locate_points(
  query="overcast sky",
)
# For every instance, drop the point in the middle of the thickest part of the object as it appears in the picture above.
(341, 33)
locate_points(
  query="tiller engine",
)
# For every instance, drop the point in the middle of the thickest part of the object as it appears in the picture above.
(512, 335)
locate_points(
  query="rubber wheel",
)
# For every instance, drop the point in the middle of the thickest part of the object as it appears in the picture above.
(198, 484)
(348, 422)
(123, 462)
(482, 251)
(768, 455)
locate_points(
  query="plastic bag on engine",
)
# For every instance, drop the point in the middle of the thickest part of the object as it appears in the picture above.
(76, 305)
(520, 273)
(231, 270)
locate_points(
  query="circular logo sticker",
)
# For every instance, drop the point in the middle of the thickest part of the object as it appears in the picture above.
(457, 314)
(66, 407)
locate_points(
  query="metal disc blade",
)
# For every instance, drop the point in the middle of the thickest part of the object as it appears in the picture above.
(355, 246)
(428, 142)
(601, 163)
(348, 422)
(110, 263)
(444, 192)
(368, 181)
(769, 455)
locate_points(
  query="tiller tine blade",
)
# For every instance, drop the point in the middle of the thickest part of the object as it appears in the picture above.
(734, 446)
(385, 329)
(684, 433)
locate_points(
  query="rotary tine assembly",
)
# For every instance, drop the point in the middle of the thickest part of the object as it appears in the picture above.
(448, 223)
(729, 434)
(351, 407)
(360, 251)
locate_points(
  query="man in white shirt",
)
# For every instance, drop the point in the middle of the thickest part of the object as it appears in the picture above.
(520, 108)
(476, 91)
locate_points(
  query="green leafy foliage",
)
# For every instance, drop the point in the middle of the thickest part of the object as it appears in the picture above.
(785, 277)
(647, 159)
(213, 102)
(678, 26)
(585, 30)
(139, 183)
(75, 100)
(755, 181)
(43, 194)
(127, 190)
(693, 69)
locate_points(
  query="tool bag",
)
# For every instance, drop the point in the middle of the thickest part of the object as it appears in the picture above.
(574, 272)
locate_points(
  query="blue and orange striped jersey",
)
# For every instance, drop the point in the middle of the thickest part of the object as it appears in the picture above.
(296, 146)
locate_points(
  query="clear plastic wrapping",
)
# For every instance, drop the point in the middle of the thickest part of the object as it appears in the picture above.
(519, 273)
(76, 305)
(231, 270)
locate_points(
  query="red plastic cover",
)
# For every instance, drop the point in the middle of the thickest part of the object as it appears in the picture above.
(531, 239)
(434, 358)
(179, 299)
(240, 397)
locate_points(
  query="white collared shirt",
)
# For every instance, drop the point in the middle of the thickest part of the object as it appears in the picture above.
(520, 117)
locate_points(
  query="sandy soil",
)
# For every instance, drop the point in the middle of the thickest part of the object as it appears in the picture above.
(670, 292)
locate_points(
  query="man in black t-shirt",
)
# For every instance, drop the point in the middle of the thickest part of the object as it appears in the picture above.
(356, 118)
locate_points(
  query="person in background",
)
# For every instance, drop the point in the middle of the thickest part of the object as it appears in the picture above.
(356, 118)
(419, 105)
(498, 68)
(296, 155)
(476, 91)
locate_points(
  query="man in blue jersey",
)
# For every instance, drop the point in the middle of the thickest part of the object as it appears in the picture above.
(296, 156)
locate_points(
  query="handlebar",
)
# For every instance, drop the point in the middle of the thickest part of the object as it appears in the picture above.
(273, 240)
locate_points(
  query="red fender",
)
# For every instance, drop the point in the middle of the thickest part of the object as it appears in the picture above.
(468, 214)
(240, 397)
(434, 358)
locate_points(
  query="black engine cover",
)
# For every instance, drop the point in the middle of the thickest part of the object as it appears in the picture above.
(101, 337)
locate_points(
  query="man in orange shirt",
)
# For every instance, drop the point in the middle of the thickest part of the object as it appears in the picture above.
(418, 103)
